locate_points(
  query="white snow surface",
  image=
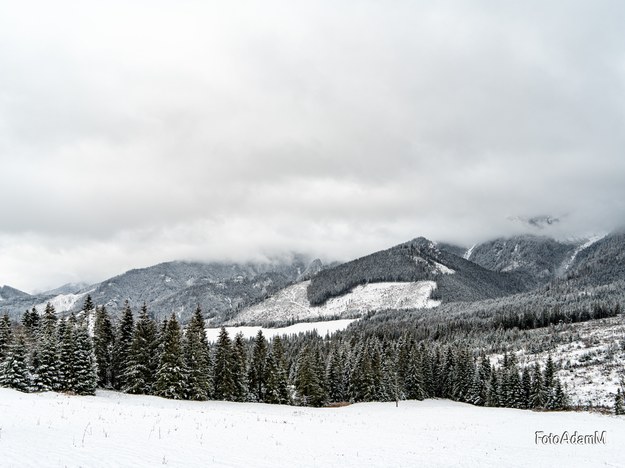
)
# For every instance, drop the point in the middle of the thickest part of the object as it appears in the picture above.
(443, 269)
(469, 252)
(62, 302)
(291, 303)
(327, 327)
(112, 429)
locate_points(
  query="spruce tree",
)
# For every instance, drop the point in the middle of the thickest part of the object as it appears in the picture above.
(414, 384)
(549, 374)
(239, 368)
(171, 373)
(526, 383)
(121, 347)
(257, 376)
(223, 378)
(14, 369)
(6, 336)
(46, 375)
(67, 355)
(103, 343)
(48, 320)
(277, 390)
(197, 358)
(334, 376)
(309, 380)
(142, 360)
(538, 393)
(619, 404)
(85, 368)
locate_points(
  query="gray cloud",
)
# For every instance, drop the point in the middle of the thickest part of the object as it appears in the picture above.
(143, 132)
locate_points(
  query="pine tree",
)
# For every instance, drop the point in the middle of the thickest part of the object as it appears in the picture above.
(493, 399)
(277, 380)
(103, 342)
(362, 382)
(49, 319)
(414, 379)
(549, 374)
(526, 383)
(334, 376)
(123, 341)
(257, 376)
(88, 305)
(171, 373)
(6, 336)
(67, 355)
(46, 375)
(31, 320)
(538, 393)
(85, 368)
(223, 370)
(239, 369)
(197, 358)
(619, 404)
(309, 380)
(14, 369)
(142, 360)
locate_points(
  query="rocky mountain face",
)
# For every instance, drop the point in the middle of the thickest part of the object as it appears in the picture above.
(538, 259)
(7, 293)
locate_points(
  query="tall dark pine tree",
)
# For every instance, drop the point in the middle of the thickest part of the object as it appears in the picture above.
(85, 368)
(619, 403)
(31, 320)
(121, 348)
(277, 390)
(197, 358)
(258, 368)
(142, 362)
(239, 368)
(334, 376)
(46, 375)
(6, 336)
(103, 341)
(171, 373)
(223, 369)
(88, 305)
(67, 354)
(48, 320)
(538, 393)
(14, 369)
(309, 381)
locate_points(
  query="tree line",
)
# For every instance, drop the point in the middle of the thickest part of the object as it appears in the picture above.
(78, 354)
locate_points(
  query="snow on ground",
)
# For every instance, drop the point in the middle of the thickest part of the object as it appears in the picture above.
(112, 429)
(291, 303)
(591, 357)
(322, 328)
(442, 269)
(62, 302)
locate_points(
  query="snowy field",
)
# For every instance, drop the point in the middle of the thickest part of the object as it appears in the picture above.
(327, 327)
(291, 303)
(113, 430)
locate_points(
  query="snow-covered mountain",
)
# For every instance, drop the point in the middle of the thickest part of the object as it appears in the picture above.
(8, 293)
(538, 258)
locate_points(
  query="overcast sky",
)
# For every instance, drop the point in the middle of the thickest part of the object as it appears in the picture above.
(138, 132)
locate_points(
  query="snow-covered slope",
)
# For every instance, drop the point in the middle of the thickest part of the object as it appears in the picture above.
(327, 327)
(112, 429)
(64, 302)
(291, 303)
